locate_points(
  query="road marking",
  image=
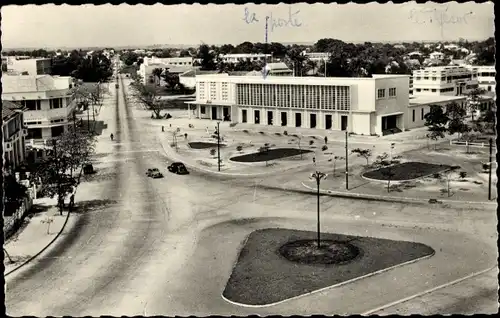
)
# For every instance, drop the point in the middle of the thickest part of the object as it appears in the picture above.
(426, 291)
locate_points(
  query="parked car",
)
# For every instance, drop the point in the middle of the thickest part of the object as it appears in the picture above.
(88, 169)
(178, 168)
(154, 173)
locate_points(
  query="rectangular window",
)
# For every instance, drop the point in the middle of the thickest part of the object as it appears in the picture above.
(55, 103)
(202, 109)
(422, 113)
(434, 90)
(32, 104)
(392, 92)
(413, 115)
(434, 78)
(381, 93)
(418, 90)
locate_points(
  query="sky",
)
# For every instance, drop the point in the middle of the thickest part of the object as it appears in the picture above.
(50, 26)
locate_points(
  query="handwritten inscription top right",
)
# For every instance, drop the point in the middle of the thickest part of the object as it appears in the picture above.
(441, 16)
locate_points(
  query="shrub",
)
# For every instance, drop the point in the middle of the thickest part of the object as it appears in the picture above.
(486, 167)
(245, 131)
(239, 148)
(262, 133)
(277, 134)
(185, 135)
(462, 174)
(324, 148)
(285, 133)
(311, 142)
(436, 176)
(213, 152)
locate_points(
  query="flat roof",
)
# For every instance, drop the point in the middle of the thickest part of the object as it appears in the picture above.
(424, 100)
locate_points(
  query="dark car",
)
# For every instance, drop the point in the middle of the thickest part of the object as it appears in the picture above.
(88, 169)
(154, 173)
(178, 168)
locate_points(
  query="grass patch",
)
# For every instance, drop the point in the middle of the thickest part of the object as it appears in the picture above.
(406, 171)
(263, 276)
(271, 154)
(203, 145)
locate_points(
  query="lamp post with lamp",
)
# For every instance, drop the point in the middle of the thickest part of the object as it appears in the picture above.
(318, 176)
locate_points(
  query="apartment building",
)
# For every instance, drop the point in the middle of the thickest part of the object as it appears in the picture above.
(30, 66)
(48, 102)
(359, 105)
(14, 133)
(485, 76)
(444, 80)
(250, 57)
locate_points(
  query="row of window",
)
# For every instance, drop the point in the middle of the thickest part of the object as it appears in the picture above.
(381, 92)
(294, 96)
(421, 114)
(487, 74)
(443, 90)
(447, 78)
(37, 104)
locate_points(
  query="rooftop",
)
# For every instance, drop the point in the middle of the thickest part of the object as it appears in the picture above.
(34, 83)
(276, 66)
(424, 100)
(193, 73)
(9, 109)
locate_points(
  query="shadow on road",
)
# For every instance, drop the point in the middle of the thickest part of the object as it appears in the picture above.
(92, 205)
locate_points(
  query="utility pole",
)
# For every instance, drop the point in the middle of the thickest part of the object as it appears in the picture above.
(218, 145)
(346, 162)
(88, 118)
(318, 176)
(491, 163)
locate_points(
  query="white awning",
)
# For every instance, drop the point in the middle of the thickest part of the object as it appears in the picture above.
(392, 114)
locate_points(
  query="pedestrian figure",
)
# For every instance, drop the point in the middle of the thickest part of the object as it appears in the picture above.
(111, 136)
(71, 202)
(170, 126)
(162, 128)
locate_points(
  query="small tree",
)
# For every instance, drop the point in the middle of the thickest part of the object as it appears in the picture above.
(264, 150)
(335, 158)
(364, 153)
(463, 175)
(436, 121)
(149, 96)
(388, 173)
(157, 75)
(299, 139)
(449, 174)
(382, 161)
(48, 220)
(468, 138)
(239, 148)
(311, 142)
(456, 115)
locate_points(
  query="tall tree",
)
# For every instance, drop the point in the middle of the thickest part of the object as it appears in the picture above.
(436, 121)
(207, 58)
(157, 75)
(456, 119)
(149, 96)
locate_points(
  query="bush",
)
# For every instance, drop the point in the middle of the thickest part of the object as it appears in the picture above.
(311, 142)
(486, 167)
(213, 151)
(436, 176)
(324, 148)
(185, 135)
(239, 148)
(463, 174)
(245, 131)
(277, 134)
(262, 133)
(285, 133)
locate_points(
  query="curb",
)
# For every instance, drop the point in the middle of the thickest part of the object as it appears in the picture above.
(43, 249)
(371, 312)
(332, 286)
(389, 198)
(168, 154)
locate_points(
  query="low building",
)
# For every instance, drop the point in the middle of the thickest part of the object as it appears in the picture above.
(48, 102)
(38, 66)
(14, 133)
(318, 56)
(436, 56)
(244, 57)
(188, 79)
(176, 65)
(444, 80)
(360, 105)
(420, 105)
(276, 69)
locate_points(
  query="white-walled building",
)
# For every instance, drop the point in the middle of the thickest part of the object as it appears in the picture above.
(444, 80)
(436, 56)
(250, 57)
(276, 69)
(318, 56)
(14, 133)
(48, 102)
(420, 105)
(485, 76)
(31, 66)
(359, 105)
(174, 64)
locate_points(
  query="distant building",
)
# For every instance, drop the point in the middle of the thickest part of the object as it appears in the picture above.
(444, 80)
(48, 102)
(249, 57)
(177, 65)
(14, 133)
(436, 56)
(31, 66)
(485, 76)
(361, 105)
(317, 56)
(188, 78)
(420, 105)
(277, 69)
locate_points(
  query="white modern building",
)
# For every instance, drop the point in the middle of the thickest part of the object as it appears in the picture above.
(485, 76)
(48, 102)
(174, 64)
(31, 66)
(436, 56)
(444, 80)
(14, 133)
(250, 57)
(359, 105)
(420, 105)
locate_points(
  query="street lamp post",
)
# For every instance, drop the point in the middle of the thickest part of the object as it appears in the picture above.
(218, 145)
(346, 161)
(318, 176)
(392, 147)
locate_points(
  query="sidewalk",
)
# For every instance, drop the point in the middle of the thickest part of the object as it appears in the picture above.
(35, 233)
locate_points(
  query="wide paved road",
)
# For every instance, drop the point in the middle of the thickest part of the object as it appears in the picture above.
(166, 246)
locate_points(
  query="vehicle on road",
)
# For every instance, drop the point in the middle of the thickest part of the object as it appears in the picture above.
(178, 168)
(88, 169)
(154, 173)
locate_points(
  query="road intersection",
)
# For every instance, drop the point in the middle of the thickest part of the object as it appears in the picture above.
(167, 246)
